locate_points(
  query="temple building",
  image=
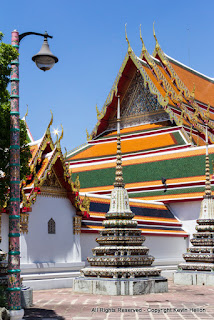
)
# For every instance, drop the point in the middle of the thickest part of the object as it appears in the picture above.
(51, 211)
(165, 106)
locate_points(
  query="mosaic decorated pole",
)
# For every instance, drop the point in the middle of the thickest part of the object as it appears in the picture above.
(44, 60)
(14, 298)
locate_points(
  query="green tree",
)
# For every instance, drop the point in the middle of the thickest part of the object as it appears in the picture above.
(8, 53)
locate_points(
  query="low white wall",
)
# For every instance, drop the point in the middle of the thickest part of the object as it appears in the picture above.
(87, 241)
(166, 250)
(188, 212)
(38, 247)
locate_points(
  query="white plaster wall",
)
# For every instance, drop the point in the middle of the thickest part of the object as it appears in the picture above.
(166, 250)
(39, 247)
(87, 241)
(4, 231)
(187, 212)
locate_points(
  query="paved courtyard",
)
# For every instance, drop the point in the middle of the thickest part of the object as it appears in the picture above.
(181, 302)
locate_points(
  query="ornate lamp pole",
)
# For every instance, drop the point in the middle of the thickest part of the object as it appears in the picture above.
(44, 60)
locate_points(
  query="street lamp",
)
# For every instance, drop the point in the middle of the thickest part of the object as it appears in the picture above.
(45, 61)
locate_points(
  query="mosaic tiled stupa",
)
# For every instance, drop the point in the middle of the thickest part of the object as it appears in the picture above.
(121, 265)
(199, 265)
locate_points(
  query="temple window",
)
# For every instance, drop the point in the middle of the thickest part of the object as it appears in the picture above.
(51, 226)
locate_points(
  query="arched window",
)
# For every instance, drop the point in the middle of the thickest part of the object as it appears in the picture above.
(51, 226)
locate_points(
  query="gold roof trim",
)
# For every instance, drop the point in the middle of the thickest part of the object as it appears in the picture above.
(129, 46)
(26, 114)
(167, 87)
(157, 46)
(112, 92)
(51, 121)
(173, 74)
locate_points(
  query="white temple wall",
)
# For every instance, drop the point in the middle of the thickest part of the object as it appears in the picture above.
(166, 250)
(40, 248)
(187, 212)
(88, 242)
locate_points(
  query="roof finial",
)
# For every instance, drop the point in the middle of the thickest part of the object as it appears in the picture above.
(26, 113)
(143, 45)
(51, 122)
(157, 46)
(129, 47)
(208, 193)
(62, 132)
(89, 137)
(99, 115)
(119, 172)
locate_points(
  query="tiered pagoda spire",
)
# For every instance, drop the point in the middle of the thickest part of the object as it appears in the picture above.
(200, 257)
(120, 254)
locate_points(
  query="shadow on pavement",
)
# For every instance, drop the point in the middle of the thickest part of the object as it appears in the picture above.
(37, 313)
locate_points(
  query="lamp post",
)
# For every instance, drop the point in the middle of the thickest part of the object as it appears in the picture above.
(45, 61)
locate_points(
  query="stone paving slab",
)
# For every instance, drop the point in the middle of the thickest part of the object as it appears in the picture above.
(181, 302)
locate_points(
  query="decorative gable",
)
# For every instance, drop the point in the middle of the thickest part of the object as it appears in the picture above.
(52, 186)
(139, 106)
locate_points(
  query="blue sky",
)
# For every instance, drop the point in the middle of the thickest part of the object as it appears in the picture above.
(89, 40)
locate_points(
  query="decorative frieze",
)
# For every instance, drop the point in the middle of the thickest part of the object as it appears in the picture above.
(24, 217)
(77, 221)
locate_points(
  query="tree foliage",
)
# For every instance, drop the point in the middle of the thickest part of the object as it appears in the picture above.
(8, 53)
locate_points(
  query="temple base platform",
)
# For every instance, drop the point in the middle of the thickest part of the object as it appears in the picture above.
(120, 287)
(200, 278)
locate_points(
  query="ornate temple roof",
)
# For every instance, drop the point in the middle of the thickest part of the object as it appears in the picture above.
(50, 175)
(165, 106)
(152, 217)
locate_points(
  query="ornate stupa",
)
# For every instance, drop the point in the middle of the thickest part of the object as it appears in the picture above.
(199, 265)
(120, 264)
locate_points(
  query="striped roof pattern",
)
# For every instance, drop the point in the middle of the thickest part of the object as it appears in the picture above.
(48, 161)
(153, 218)
(172, 148)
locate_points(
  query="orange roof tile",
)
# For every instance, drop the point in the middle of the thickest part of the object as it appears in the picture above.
(204, 89)
(157, 84)
(128, 146)
(139, 128)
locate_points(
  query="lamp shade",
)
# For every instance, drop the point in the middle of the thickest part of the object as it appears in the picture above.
(45, 59)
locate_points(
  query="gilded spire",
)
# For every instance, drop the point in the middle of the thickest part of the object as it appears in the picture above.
(143, 45)
(157, 46)
(62, 132)
(119, 172)
(51, 121)
(129, 47)
(26, 113)
(99, 114)
(208, 193)
(89, 137)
